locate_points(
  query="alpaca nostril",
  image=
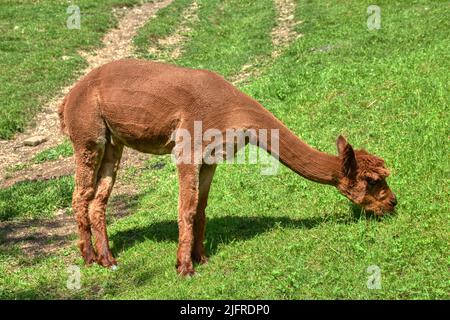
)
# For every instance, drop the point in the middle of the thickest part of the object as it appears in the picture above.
(394, 201)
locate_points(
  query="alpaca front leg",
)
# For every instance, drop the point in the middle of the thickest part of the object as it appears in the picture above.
(188, 176)
(205, 179)
(198, 250)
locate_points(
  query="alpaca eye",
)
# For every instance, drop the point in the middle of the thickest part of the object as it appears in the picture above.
(371, 182)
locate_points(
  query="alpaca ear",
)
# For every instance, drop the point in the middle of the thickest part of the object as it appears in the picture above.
(348, 158)
(341, 143)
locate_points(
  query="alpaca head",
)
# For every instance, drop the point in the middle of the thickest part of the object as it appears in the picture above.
(363, 179)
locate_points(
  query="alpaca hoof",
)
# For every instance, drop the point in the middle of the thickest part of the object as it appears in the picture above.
(89, 261)
(185, 271)
(89, 258)
(201, 259)
(107, 262)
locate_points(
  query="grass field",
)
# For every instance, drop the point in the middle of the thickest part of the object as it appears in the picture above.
(281, 236)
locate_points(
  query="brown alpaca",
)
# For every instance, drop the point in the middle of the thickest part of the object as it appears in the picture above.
(140, 104)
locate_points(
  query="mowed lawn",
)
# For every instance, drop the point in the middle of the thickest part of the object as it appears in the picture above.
(281, 236)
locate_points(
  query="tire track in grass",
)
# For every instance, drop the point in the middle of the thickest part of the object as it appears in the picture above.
(118, 43)
(171, 47)
(282, 35)
(230, 34)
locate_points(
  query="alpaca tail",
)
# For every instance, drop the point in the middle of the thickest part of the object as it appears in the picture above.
(62, 123)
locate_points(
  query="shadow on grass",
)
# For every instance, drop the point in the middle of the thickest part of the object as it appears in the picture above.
(219, 231)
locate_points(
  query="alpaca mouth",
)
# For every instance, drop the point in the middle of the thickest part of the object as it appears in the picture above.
(381, 211)
(391, 209)
(378, 211)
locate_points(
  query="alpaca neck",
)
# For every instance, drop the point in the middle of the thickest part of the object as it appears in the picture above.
(306, 161)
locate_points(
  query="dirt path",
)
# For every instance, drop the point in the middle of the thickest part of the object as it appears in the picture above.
(282, 35)
(118, 43)
(173, 44)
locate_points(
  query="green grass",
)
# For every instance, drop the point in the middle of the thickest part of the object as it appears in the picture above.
(33, 41)
(16, 167)
(35, 199)
(62, 150)
(283, 237)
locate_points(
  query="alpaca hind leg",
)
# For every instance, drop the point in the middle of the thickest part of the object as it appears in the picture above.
(87, 164)
(105, 181)
(205, 179)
